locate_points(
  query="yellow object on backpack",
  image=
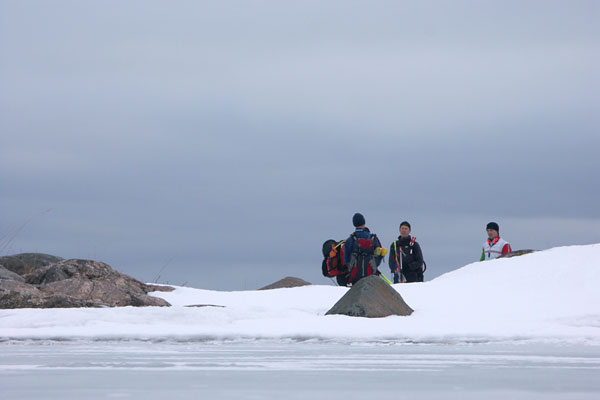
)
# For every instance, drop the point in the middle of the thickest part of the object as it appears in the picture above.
(380, 251)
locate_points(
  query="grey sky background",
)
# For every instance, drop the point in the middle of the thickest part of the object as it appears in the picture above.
(218, 144)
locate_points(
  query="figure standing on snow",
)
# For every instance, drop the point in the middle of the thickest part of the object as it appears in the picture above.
(494, 246)
(406, 257)
(360, 253)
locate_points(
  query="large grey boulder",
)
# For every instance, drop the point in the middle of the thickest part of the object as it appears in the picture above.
(25, 264)
(9, 275)
(371, 297)
(76, 283)
(287, 282)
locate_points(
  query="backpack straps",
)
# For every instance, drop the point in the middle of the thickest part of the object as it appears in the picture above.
(373, 237)
(354, 241)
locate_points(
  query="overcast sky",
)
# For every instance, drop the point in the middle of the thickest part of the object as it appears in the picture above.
(219, 144)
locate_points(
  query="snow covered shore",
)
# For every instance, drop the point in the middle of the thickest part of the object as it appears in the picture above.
(552, 295)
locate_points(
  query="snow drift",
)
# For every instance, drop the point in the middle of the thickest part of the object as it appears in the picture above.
(548, 295)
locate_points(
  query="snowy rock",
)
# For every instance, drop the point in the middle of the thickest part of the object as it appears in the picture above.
(25, 264)
(9, 275)
(76, 283)
(371, 297)
(287, 282)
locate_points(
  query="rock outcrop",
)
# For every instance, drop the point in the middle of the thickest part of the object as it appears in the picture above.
(14, 294)
(158, 288)
(371, 297)
(75, 283)
(25, 264)
(287, 282)
(517, 253)
(9, 275)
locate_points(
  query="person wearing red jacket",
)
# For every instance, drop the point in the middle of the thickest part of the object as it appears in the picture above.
(494, 246)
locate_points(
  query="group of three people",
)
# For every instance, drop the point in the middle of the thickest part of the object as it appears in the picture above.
(405, 257)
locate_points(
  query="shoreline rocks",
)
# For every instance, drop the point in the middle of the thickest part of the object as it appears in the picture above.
(52, 282)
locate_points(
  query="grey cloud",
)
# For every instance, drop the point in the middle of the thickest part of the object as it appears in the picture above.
(230, 141)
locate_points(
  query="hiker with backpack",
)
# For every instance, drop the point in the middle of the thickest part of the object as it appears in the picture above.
(333, 262)
(406, 258)
(362, 251)
(494, 246)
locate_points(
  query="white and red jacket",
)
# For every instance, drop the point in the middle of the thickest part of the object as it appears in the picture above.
(495, 248)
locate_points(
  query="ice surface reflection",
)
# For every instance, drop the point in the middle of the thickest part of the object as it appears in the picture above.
(296, 369)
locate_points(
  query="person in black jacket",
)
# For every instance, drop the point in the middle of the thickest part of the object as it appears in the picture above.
(406, 258)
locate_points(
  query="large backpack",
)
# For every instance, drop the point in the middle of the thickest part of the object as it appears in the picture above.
(362, 260)
(333, 261)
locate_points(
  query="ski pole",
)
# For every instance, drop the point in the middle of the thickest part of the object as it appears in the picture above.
(402, 277)
(398, 256)
(384, 277)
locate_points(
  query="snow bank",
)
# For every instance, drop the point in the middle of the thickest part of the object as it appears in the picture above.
(548, 295)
